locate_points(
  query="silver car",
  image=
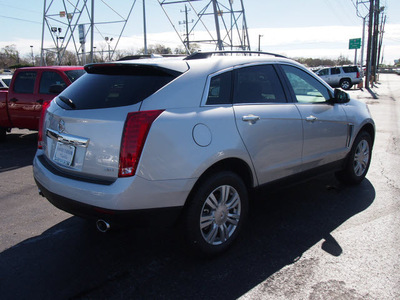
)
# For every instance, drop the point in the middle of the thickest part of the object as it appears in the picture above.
(343, 76)
(186, 139)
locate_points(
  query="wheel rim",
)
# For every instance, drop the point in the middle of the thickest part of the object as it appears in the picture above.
(220, 215)
(361, 158)
(345, 84)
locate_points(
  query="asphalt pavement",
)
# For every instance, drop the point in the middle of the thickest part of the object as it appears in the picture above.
(314, 240)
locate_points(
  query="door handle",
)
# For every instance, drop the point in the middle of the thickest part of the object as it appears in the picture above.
(311, 118)
(13, 100)
(40, 101)
(250, 118)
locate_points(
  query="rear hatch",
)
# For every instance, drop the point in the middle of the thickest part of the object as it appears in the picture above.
(84, 125)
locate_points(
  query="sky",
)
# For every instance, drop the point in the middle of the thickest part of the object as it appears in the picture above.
(308, 28)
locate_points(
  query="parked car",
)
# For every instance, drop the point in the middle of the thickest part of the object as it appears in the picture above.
(5, 81)
(344, 77)
(30, 90)
(185, 139)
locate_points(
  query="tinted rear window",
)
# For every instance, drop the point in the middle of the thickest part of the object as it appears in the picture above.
(350, 69)
(113, 87)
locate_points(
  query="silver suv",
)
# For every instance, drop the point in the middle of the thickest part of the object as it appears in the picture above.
(167, 139)
(344, 77)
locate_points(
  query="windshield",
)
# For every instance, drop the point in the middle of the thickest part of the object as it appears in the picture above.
(74, 74)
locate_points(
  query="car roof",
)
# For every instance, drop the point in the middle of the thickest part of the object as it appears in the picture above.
(205, 62)
(60, 68)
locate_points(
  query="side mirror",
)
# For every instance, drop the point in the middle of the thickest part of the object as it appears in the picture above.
(56, 89)
(340, 96)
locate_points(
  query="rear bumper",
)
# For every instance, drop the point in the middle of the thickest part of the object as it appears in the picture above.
(141, 217)
(125, 200)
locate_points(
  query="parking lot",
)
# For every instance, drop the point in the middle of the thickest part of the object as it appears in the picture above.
(314, 240)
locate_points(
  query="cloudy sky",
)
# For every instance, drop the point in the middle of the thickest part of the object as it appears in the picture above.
(309, 28)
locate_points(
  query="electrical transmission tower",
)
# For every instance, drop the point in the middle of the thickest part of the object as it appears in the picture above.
(73, 24)
(222, 21)
(64, 20)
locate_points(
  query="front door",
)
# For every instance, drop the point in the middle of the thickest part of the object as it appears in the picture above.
(269, 126)
(325, 124)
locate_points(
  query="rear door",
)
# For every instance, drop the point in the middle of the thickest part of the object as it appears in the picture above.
(269, 125)
(325, 124)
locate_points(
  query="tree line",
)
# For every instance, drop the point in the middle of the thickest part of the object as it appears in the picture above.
(10, 57)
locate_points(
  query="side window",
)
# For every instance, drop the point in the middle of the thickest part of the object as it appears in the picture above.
(258, 84)
(48, 79)
(220, 89)
(306, 88)
(323, 72)
(25, 82)
(335, 71)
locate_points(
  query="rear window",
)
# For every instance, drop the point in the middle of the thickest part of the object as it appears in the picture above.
(114, 86)
(25, 82)
(350, 69)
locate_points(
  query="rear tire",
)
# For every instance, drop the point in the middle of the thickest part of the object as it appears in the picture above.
(358, 162)
(216, 213)
(3, 134)
(346, 84)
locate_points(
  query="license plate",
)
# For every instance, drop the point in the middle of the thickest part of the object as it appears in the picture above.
(64, 154)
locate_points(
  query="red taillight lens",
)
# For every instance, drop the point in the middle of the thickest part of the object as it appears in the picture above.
(137, 126)
(358, 74)
(45, 105)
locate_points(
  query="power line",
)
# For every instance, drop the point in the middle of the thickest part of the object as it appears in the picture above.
(18, 19)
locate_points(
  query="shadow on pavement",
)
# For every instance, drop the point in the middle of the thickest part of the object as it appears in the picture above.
(18, 150)
(73, 260)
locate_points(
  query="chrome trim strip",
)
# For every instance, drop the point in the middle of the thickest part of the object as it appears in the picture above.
(350, 128)
(67, 138)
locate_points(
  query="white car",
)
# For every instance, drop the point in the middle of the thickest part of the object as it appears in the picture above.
(185, 139)
(5, 81)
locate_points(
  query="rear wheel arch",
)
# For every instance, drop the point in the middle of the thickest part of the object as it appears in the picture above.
(235, 165)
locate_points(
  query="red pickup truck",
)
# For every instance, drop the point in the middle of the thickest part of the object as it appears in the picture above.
(30, 90)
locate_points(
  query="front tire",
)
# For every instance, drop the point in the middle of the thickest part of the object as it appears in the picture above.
(359, 159)
(215, 213)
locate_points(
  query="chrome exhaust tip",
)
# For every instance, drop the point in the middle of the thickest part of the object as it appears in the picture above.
(40, 192)
(102, 226)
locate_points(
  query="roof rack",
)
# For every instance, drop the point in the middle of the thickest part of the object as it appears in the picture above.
(202, 55)
(142, 56)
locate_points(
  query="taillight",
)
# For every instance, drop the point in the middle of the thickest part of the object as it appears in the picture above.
(137, 126)
(45, 105)
(358, 74)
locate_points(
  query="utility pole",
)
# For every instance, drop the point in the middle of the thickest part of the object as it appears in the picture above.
(186, 23)
(369, 46)
(382, 31)
(144, 27)
(375, 41)
(216, 12)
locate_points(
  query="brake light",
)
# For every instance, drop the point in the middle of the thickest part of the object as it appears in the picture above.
(137, 126)
(358, 74)
(45, 105)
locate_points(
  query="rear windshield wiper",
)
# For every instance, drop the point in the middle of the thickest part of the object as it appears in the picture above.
(67, 101)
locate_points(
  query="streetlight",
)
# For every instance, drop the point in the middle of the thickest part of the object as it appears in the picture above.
(56, 31)
(259, 40)
(108, 41)
(33, 61)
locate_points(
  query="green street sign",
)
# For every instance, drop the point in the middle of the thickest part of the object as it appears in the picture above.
(354, 43)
